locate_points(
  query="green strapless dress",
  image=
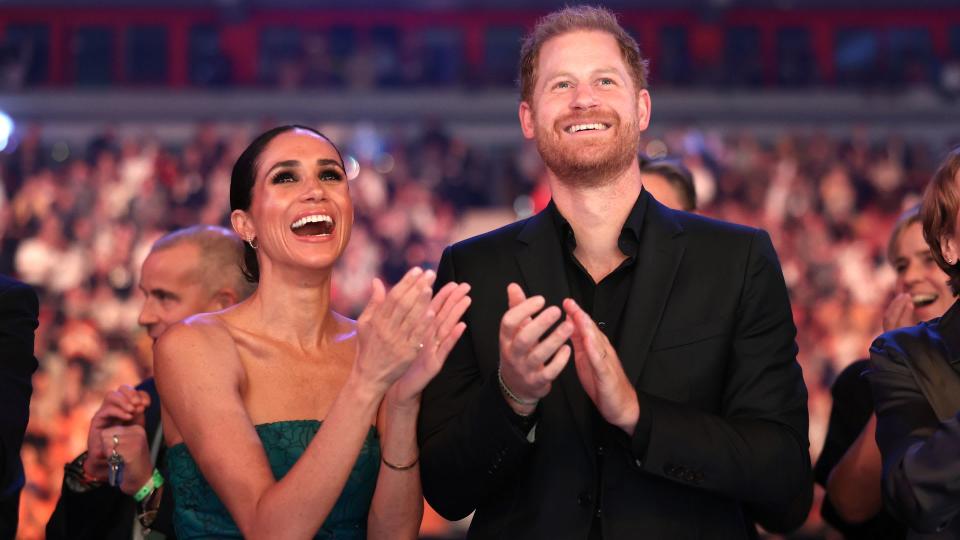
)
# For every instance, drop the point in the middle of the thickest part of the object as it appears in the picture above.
(198, 512)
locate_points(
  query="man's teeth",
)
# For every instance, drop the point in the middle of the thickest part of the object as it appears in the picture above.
(920, 300)
(318, 218)
(586, 127)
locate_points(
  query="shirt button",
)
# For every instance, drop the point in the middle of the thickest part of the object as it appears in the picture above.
(638, 463)
(600, 450)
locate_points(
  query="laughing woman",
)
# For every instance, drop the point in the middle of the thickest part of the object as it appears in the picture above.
(286, 419)
(916, 386)
(849, 465)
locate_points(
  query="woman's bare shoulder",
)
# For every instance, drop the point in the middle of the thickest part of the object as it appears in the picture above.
(200, 330)
(202, 341)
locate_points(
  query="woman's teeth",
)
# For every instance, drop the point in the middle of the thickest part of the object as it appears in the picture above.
(313, 225)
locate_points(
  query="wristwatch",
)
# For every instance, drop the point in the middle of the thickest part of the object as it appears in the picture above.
(76, 479)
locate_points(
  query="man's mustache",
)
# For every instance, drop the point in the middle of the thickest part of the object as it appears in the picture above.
(604, 117)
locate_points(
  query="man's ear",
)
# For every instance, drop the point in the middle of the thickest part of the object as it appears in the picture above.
(643, 109)
(527, 124)
(223, 299)
(243, 225)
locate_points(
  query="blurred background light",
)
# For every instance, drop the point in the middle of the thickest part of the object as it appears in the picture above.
(352, 166)
(6, 129)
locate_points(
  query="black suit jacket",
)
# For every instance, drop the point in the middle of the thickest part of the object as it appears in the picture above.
(19, 309)
(106, 512)
(708, 339)
(916, 389)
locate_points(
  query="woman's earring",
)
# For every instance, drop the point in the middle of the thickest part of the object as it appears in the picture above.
(253, 242)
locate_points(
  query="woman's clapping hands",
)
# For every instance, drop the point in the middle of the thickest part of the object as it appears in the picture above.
(406, 334)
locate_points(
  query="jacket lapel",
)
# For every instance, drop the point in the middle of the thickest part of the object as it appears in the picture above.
(540, 258)
(662, 244)
(948, 326)
(932, 368)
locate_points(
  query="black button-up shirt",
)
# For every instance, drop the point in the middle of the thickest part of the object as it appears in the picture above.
(605, 301)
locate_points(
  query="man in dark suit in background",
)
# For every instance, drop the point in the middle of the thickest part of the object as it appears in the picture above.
(188, 271)
(684, 414)
(18, 319)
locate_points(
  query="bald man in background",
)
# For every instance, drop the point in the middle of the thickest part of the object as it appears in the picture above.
(189, 271)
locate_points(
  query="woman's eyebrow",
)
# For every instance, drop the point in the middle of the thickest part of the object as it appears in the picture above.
(283, 164)
(324, 162)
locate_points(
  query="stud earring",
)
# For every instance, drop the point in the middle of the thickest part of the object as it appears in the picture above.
(253, 242)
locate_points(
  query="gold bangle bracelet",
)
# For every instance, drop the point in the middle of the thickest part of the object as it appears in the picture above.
(399, 467)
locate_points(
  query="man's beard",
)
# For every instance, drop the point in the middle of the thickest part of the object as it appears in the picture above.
(589, 164)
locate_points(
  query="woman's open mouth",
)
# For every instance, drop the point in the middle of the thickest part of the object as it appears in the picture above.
(923, 300)
(313, 225)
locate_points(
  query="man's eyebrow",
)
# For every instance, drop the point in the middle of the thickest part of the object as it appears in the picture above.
(158, 292)
(558, 75)
(606, 70)
(597, 71)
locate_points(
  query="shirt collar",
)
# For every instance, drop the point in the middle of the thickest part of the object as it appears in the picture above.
(629, 233)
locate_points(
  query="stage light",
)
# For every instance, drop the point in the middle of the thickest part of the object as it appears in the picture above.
(352, 167)
(60, 151)
(523, 206)
(656, 149)
(384, 163)
(6, 128)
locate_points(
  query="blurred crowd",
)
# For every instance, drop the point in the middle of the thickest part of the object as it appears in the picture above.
(76, 222)
(422, 50)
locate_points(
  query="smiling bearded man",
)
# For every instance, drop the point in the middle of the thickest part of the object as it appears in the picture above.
(589, 162)
(684, 412)
(599, 137)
